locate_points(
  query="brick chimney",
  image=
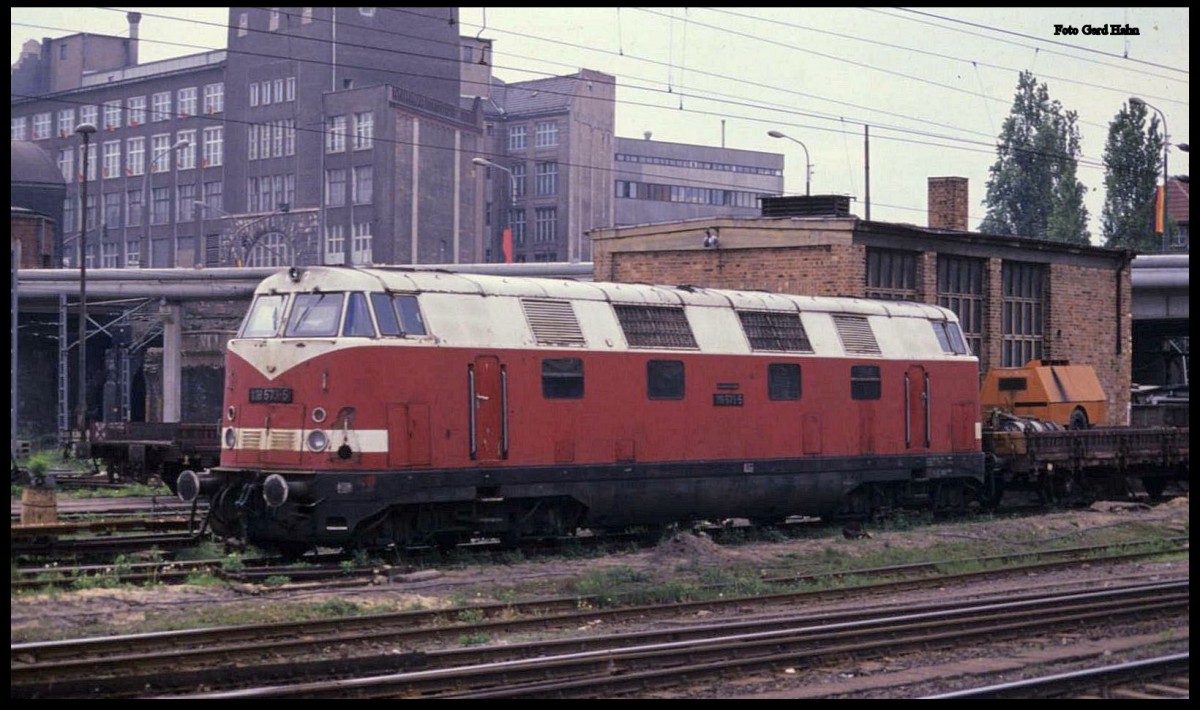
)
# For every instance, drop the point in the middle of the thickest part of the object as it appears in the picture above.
(948, 203)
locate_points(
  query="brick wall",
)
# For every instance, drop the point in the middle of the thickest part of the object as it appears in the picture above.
(1082, 327)
(826, 270)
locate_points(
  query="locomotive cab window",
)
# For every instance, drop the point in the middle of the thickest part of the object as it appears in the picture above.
(358, 317)
(664, 379)
(398, 314)
(315, 315)
(562, 378)
(264, 317)
(950, 337)
(783, 381)
(865, 382)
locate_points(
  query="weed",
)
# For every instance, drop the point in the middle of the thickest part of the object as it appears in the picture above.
(471, 616)
(203, 579)
(233, 563)
(475, 639)
(337, 608)
(276, 580)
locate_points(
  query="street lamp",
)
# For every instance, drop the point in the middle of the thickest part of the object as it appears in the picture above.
(512, 181)
(1166, 215)
(807, 165)
(86, 130)
(181, 143)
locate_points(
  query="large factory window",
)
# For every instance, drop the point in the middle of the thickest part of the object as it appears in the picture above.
(664, 379)
(960, 288)
(865, 382)
(891, 275)
(783, 381)
(1021, 320)
(562, 378)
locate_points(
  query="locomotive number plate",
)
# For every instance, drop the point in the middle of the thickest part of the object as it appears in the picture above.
(270, 395)
(723, 399)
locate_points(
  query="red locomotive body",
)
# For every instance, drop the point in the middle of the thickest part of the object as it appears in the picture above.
(367, 407)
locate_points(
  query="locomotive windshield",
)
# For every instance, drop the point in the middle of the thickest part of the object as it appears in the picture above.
(315, 315)
(264, 317)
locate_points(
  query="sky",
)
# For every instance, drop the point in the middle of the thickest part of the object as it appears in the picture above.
(931, 86)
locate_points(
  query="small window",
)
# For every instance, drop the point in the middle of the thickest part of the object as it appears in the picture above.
(264, 317)
(865, 382)
(950, 337)
(939, 329)
(358, 318)
(315, 315)
(783, 381)
(1012, 384)
(562, 378)
(664, 379)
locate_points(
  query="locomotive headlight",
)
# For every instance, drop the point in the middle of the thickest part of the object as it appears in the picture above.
(231, 412)
(319, 414)
(230, 438)
(317, 440)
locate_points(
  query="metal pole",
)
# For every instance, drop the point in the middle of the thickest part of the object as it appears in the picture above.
(86, 130)
(512, 200)
(807, 164)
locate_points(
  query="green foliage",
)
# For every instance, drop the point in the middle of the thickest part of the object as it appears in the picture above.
(471, 616)
(1033, 189)
(276, 580)
(475, 639)
(1132, 158)
(203, 579)
(206, 550)
(337, 608)
(233, 563)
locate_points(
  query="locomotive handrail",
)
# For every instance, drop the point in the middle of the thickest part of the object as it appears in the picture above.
(471, 407)
(907, 412)
(503, 412)
(926, 396)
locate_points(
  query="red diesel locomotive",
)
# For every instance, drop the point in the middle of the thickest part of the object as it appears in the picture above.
(394, 406)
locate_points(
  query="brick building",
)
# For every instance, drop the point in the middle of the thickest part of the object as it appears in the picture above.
(1017, 298)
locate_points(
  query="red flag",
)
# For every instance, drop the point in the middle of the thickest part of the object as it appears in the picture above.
(1159, 217)
(506, 245)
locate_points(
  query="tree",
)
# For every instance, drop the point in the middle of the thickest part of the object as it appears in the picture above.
(1033, 190)
(1131, 166)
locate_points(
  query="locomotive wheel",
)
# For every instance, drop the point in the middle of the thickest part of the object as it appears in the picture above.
(292, 551)
(1154, 487)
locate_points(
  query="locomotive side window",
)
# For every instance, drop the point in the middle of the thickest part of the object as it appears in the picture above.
(655, 326)
(783, 381)
(264, 317)
(315, 315)
(358, 317)
(664, 379)
(562, 378)
(865, 382)
(398, 314)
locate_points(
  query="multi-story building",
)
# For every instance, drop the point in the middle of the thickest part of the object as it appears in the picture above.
(321, 135)
(656, 181)
(554, 139)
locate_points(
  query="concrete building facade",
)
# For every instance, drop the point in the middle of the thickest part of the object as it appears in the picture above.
(656, 181)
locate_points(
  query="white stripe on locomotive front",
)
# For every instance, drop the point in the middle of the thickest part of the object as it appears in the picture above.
(369, 441)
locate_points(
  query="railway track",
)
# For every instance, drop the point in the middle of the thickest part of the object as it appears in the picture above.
(186, 655)
(632, 664)
(1161, 678)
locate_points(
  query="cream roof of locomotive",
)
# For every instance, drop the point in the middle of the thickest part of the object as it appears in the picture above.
(433, 281)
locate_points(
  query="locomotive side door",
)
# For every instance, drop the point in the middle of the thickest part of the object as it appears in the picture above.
(487, 384)
(916, 408)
